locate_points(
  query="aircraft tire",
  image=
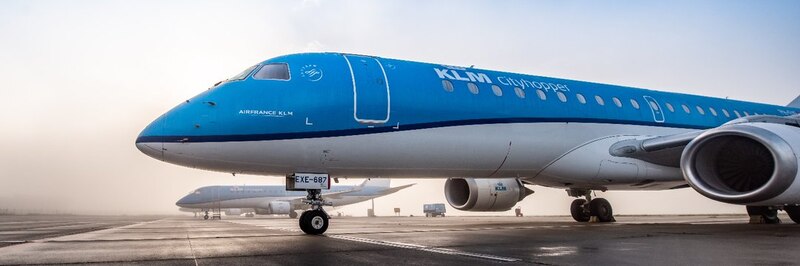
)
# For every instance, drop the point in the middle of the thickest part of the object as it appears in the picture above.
(314, 222)
(793, 212)
(768, 216)
(205, 217)
(292, 214)
(601, 209)
(576, 209)
(301, 221)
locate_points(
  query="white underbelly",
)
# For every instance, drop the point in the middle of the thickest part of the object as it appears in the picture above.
(494, 150)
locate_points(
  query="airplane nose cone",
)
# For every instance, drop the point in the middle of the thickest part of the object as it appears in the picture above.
(151, 149)
(150, 140)
(181, 202)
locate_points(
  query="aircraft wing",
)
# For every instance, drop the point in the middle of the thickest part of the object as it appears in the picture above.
(394, 189)
(667, 150)
(663, 150)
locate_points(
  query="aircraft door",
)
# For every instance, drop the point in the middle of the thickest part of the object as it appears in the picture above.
(658, 113)
(370, 89)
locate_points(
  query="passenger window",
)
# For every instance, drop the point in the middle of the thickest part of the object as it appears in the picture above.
(712, 111)
(520, 93)
(686, 109)
(277, 71)
(561, 97)
(670, 107)
(654, 106)
(737, 114)
(725, 112)
(244, 74)
(581, 98)
(472, 88)
(599, 100)
(617, 102)
(700, 109)
(447, 85)
(541, 94)
(635, 104)
(497, 91)
(746, 113)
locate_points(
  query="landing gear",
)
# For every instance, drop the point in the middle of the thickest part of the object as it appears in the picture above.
(763, 215)
(793, 212)
(578, 212)
(601, 209)
(583, 210)
(315, 220)
(292, 214)
(205, 217)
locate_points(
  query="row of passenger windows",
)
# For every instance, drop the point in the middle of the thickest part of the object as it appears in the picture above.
(473, 88)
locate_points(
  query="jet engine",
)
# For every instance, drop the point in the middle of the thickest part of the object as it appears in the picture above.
(484, 194)
(750, 163)
(275, 207)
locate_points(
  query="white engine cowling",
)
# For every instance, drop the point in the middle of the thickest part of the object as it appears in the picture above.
(275, 207)
(483, 194)
(751, 163)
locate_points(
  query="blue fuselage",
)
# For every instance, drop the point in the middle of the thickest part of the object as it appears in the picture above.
(354, 115)
(319, 100)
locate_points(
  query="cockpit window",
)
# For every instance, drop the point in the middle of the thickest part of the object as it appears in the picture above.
(196, 192)
(244, 74)
(279, 71)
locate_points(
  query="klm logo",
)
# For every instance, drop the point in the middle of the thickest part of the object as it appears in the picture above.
(500, 187)
(453, 74)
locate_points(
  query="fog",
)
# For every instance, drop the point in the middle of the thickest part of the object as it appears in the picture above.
(80, 79)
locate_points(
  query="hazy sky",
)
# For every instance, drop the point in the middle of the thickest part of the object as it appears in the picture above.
(80, 79)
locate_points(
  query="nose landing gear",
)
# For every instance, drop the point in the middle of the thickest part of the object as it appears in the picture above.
(584, 210)
(315, 220)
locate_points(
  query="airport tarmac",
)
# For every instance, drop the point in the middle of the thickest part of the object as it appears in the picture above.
(181, 240)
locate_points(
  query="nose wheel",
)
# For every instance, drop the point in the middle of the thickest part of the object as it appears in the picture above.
(315, 220)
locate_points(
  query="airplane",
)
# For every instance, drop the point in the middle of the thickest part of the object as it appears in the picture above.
(276, 200)
(488, 133)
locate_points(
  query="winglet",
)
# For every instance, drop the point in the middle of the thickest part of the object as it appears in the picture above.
(795, 103)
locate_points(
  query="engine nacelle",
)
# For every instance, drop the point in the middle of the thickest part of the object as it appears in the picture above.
(275, 207)
(750, 163)
(483, 194)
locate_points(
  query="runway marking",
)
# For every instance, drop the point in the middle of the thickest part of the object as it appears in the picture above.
(445, 251)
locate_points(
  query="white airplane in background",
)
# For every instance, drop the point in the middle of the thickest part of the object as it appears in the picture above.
(276, 200)
(328, 115)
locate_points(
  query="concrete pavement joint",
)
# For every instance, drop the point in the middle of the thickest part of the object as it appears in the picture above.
(194, 257)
